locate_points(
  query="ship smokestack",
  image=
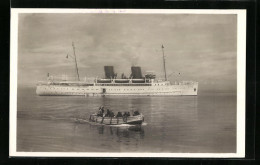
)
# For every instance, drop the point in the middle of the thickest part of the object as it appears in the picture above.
(109, 72)
(136, 72)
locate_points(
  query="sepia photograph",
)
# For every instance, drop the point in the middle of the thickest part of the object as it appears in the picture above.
(127, 83)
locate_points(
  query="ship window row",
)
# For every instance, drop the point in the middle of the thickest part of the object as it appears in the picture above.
(158, 84)
(124, 89)
(70, 88)
(71, 84)
(108, 89)
(133, 89)
(78, 89)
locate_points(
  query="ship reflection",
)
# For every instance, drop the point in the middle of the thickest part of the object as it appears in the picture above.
(122, 132)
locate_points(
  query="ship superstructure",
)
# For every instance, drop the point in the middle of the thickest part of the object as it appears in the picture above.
(112, 84)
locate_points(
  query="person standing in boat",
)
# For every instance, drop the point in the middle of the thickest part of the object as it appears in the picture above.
(99, 112)
(102, 110)
(99, 109)
(112, 114)
(108, 113)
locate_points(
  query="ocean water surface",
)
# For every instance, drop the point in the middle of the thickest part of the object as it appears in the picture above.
(177, 124)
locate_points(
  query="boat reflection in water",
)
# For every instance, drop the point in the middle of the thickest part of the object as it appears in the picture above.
(121, 132)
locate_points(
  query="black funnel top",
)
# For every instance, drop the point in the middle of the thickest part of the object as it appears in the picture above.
(136, 72)
(109, 71)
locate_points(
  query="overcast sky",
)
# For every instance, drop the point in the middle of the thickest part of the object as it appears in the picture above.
(200, 47)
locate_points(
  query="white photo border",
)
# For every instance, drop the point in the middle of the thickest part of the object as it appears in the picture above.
(241, 83)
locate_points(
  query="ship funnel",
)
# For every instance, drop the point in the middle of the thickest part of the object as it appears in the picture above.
(109, 72)
(136, 72)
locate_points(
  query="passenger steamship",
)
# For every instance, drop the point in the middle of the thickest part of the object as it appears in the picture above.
(136, 84)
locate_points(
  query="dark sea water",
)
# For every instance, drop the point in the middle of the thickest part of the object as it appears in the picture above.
(176, 124)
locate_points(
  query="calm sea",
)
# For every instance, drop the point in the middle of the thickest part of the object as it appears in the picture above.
(203, 123)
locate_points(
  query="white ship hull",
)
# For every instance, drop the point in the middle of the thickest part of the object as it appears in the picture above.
(169, 90)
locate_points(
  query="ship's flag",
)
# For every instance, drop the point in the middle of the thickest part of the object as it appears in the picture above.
(162, 46)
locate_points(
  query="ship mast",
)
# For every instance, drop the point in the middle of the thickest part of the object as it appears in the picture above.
(75, 59)
(164, 64)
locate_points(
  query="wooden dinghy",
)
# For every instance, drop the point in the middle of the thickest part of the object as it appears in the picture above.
(138, 119)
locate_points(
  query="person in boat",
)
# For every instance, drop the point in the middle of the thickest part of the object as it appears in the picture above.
(102, 110)
(99, 109)
(119, 114)
(136, 113)
(111, 114)
(126, 114)
(99, 112)
(108, 113)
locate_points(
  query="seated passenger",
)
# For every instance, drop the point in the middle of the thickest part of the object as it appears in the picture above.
(125, 114)
(112, 114)
(119, 114)
(103, 110)
(99, 113)
(108, 113)
(136, 113)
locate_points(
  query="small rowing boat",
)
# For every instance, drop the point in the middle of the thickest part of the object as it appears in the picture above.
(135, 120)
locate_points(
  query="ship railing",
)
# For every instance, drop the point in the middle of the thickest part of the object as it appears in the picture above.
(69, 78)
(187, 82)
(122, 79)
(125, 80)
(176, 82)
